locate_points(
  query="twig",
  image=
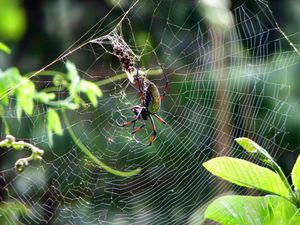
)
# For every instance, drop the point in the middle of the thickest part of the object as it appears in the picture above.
(36, 153)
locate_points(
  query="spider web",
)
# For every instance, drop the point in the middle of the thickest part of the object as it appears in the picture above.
(224, 84)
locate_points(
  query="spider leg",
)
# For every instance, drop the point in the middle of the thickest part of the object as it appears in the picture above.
(137, 129)
(138, 116)
(128, 123)
(160, 119)
(154, 130)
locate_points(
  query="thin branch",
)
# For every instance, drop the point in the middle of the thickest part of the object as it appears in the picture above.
(87, 152)
(10, 142)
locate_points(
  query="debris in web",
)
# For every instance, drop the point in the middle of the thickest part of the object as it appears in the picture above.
(122, 51)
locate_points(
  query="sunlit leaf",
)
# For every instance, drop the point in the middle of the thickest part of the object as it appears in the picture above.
(24, 96)
(8, 80)
(72, 72)
(53, 122)
(69, 105)
(4, 122)
(296, 174)
(244, 173)
(91, 90)
(248, 210)
(4, 86)
(94, 88)
(59, 80)
(73, 77)
(44, 97)
(50, 138)
(4, 48)
(253, 148)
(14, 76)
(92, 97)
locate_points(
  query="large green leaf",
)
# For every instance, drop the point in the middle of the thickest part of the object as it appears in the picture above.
(244, 173)
(248, 210)
(296, 174)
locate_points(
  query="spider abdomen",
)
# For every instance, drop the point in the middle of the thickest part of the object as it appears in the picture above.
(152, 99)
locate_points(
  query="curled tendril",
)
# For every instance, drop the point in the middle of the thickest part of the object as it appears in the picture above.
(21, 164)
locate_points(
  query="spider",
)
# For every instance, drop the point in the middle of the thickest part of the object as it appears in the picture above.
(151, 101)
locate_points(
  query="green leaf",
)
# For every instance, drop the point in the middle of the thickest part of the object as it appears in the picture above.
(244, 173)
(73, 77)
(24, 96)
(59, 80)
(72, 72)
(69, 105)
(248, 210)
(5, 124)
(8, 80)
(253, 148)
(50, 138)
(91, 90)
(13, 75)
(92, 98)
(74, 89)
(53, 122)
(4, 86)
(4, 48)
(296, 174)
(44, 97)
(90, 86)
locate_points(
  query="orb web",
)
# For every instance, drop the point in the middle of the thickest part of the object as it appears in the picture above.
(223, 85)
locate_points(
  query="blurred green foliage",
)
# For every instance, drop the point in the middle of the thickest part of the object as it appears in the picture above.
(13, 22)
(10, 211)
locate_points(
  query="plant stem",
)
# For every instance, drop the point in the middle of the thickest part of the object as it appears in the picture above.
(279, 171)
(20, 164)
(87, 152)
(44, 73)
(121, 76)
